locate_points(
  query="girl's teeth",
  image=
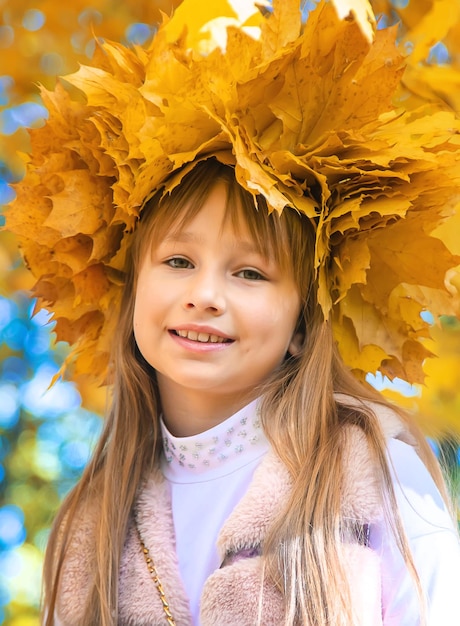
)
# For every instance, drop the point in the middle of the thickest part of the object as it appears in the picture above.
(203, 337)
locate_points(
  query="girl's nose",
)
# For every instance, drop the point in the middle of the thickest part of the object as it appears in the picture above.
(206, 293)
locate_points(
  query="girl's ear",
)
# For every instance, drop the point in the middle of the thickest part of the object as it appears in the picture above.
(296, 344)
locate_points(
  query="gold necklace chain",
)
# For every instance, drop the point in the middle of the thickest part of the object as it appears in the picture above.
(156, 579)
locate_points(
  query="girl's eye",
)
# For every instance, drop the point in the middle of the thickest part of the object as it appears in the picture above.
(179, 263)
(250, 274)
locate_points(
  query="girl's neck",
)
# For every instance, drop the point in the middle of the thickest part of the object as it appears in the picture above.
(189, 414)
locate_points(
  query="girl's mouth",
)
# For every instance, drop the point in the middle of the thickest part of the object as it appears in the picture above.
(201, 337)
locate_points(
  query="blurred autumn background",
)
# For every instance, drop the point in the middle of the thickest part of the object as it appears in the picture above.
(45, 434)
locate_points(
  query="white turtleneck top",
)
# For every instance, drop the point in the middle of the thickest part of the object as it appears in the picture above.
(209, 473)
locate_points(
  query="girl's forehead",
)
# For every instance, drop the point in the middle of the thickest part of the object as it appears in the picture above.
(181, 221)
(231, 220)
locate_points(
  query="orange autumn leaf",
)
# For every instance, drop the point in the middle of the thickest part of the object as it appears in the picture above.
(45, 41)
(422, 25)
(436, 403)
(439, 401)
(361, 11)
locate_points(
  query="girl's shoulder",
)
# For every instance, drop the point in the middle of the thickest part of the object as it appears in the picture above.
(362, 478)
(390, 421)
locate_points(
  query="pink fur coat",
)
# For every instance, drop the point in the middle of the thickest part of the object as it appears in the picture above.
(236, 594)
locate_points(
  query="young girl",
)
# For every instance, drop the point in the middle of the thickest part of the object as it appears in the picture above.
(244, 476)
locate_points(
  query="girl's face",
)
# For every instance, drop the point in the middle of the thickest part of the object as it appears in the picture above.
(212, 316)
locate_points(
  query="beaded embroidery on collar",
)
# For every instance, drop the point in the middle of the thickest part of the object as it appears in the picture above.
(219, 445)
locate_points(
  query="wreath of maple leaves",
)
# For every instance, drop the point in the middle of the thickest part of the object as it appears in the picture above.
(310, 115)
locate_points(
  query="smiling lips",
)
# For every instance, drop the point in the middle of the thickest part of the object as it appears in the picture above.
(201, 337)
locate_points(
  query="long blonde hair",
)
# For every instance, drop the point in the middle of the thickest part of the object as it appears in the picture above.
(301, 417)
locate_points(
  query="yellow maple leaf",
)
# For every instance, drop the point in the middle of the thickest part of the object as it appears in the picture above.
(423, 25)
(362, 11)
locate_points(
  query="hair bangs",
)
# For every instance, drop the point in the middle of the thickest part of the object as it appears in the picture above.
(286, 237)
